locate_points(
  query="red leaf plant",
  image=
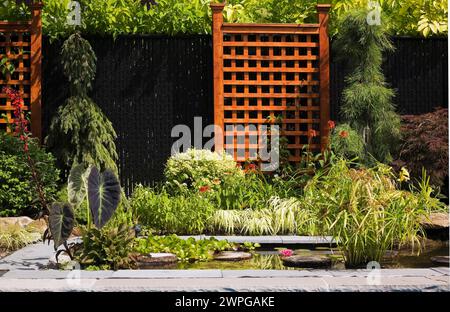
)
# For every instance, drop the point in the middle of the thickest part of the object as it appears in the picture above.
(20, 128)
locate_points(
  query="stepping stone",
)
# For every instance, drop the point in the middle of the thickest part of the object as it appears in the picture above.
(445, 260)
(156, 260)
(436, 221)
(436, 226)
(232, 256)
(389, 254)
(298, 261)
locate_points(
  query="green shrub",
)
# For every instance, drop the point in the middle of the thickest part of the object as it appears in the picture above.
(17, 190)
(107, 247)
(365, 210)
(346, 142)
(187, 213)
(197, 168)
(80, 133)
(367, 100)
(252, 190)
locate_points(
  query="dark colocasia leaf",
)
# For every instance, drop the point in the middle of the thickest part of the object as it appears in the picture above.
(103, 195)
(61, 221)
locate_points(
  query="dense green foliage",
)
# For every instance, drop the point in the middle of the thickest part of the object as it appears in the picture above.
(404, 17)
(367, 101)
(183, 213)
(346, 142)
(80, 132)
(17, 191)
(199, 185)
(366, 211)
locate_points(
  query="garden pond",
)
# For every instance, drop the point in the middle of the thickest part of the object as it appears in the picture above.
(269, 259)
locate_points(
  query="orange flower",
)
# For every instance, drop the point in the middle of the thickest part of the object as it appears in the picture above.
(331, 124)
(312, 133)
(204, 188)
(343, 134)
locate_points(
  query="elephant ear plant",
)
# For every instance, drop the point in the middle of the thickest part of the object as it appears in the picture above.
(102, 190)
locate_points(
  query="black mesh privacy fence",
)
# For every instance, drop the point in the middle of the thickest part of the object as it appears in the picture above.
(148, 84)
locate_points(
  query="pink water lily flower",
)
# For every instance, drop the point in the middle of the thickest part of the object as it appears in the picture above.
(286, 252)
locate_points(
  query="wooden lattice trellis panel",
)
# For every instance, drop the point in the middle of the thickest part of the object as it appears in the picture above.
(270, 73)
(20, 43)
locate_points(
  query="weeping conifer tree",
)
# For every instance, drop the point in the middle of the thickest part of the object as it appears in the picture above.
(80, 133)
(367, 100)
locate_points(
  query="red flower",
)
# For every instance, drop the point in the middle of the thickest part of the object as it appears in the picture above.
(312, 133)
(343, 134)
(204, 188)
(331, 124)
(252, 167)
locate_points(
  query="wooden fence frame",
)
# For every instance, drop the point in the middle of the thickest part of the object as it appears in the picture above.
(219, 29)
(34, 29)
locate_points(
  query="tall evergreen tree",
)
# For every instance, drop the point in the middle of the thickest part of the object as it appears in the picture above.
(367, 100)
(80, 132)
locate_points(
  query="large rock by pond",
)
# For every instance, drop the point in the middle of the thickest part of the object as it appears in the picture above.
(436, 226)
(24, 222)
(20, 221)
(232, 256)
(307, 261)
(156, 260)
(443, 260)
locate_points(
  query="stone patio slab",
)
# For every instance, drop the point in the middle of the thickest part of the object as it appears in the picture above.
(31, 257)
(167, 274)
(307, 240)
(251, 239)
(57, 274)
(442, 270)
(274, 273)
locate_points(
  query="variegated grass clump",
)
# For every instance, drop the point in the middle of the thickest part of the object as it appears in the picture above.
(283, 216)
(13, 237)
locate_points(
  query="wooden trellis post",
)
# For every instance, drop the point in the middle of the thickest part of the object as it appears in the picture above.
(271, 73)
(217, 21)
(21, 44)
(324, 57)
(36, 63)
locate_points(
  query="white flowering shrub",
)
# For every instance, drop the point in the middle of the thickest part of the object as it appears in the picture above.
(197, 168)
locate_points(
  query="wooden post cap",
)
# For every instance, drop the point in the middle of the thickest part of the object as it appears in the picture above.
(37, 5)
(217, 7)
(323, 8)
